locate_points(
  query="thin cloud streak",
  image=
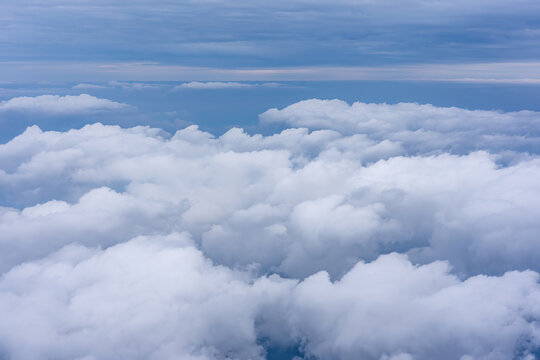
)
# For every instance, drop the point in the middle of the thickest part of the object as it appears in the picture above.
(497, 72)
(221, 85)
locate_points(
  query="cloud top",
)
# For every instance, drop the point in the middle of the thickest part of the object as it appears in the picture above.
(368, 231)
(161, 294)
(420, 128)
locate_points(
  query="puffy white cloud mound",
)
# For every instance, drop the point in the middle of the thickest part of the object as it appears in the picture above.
(159, 298)
(295, 202)
(149, 298)
(56, 104)
(419, 128)
(391, 307)
(357, 236)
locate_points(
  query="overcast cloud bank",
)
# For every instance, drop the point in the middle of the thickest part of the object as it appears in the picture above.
(266, 35)
(368, 231)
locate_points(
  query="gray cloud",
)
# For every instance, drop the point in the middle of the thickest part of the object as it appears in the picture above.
(265, 35)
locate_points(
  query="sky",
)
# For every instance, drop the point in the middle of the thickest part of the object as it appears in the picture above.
(280, 180)
(286, 40)
(469, 54)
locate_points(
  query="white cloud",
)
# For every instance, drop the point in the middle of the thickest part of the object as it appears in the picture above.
(391, 307)
(159, 298)
(100, 217)
(149, 298)
(418, 128)
(327, 204)
(290, 202)
(56, 104)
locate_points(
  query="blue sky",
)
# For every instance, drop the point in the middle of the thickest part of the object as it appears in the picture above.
(218, 106)
(471, 54)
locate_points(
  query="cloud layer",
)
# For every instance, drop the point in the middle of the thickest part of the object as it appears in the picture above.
(367, 230)
(265, 34)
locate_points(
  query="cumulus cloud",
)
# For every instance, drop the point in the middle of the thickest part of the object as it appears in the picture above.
(420, 128)
(56, 104)
(159, 298)
(295, 202)
(144, 299)
(101, 217)
(364, 230)
(408, 312)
